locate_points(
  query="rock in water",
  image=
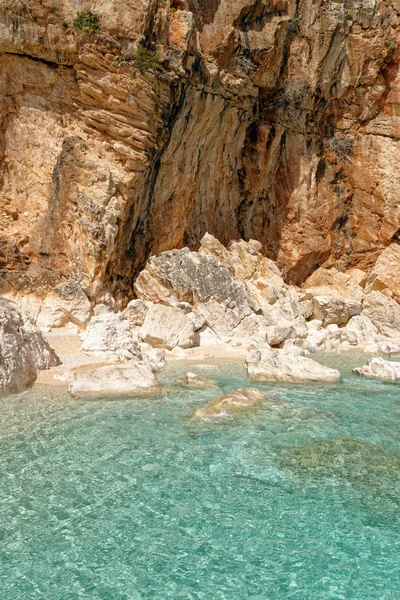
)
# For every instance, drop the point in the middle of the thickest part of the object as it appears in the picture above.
(194, 380)
(23, 350)
(133, 378)
(239, 400)
(282, 365)
(379, 368)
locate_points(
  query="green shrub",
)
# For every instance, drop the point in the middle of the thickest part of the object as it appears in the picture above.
(86, 22)
(144, 60)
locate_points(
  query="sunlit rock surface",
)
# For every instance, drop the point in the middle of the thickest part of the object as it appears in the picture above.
(23, 350)
(133, 378)
(274, 122)
(378, 368)
(282, 365)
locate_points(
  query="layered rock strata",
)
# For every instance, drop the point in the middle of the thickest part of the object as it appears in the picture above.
(276, 121)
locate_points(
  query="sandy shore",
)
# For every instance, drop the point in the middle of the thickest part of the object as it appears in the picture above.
(67, 344)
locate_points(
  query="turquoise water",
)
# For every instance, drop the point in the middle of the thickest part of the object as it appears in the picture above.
(131, 499)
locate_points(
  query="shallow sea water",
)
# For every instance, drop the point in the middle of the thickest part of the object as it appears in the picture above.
(130, 499)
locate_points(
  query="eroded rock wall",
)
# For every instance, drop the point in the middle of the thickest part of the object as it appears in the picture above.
(274, 120)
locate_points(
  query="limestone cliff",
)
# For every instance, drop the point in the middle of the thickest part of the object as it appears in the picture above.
(268, 119)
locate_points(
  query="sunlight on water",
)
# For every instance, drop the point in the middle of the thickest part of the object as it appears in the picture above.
(132, 499)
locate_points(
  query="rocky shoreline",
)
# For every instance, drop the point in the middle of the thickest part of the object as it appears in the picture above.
(217, 302)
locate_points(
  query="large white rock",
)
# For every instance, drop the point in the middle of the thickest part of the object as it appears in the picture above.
(378, 368)
(194, 380)
(66, 303)
(283, 365)
(108, 336)
(360, 331)
(335, 310)
(384, 312)
(136, 312)
(168, 327)
(201, 280)
(23, 350)
(132, 378)
(387, 348)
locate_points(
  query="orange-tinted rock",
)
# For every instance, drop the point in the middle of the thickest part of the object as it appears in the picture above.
(287, 134)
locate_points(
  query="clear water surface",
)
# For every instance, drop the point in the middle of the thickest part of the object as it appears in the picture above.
(130, 499)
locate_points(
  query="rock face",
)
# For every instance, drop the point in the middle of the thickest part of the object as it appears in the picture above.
(168, 327)
(238, 401)
(385, 276)
(23, 350)
(273, 121)
(281, 365)
(378, 368)
(384, 313)
(133, 378)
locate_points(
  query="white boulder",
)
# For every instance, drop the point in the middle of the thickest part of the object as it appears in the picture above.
(109, 336)
(386, 348)
(23, 350)
(378, 368)
(136, 311)
(287, 366)
(168, 327)
(194, 380)
(384, 312)
(132, 378)
(335, 310)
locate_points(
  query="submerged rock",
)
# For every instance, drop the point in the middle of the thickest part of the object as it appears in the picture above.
(194, 380)
(379, 368)
(237, 401)
(133, 378)
(287, 366)
(23, 350)
(355, 460)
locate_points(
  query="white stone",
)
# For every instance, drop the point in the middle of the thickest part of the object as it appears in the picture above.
(378, 368)
(360, 331)
(197, 320)
(168, 327)
(23, 350)
(194, 380)
(136, 312)
(335, 309)
(132, 378)
(384, 312)
(282, 365)
(387, 348)
(107, 336)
